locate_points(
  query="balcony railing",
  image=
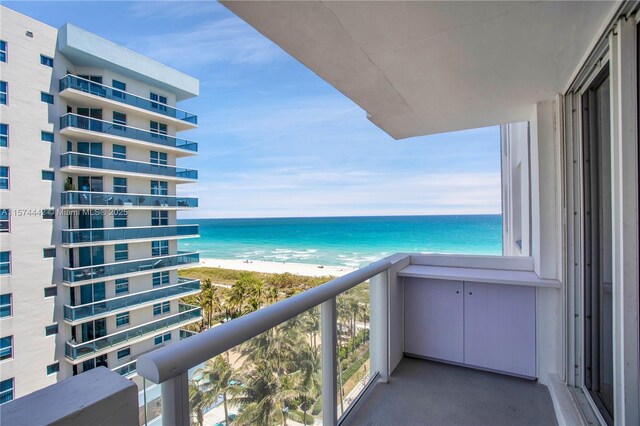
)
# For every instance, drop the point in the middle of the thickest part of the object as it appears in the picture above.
(84, 236)
(184, 286)
(81, 350)
(84, 85)
(126, 369)
(75, 159)
(114, 129)
(186, 333)
(124, 200)
(86, 273)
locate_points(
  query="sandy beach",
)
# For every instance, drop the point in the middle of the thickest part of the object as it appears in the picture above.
(277, 267)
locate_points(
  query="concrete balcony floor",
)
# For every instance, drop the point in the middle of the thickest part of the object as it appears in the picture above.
(421, 392)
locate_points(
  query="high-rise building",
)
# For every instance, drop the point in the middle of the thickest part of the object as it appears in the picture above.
(88, 232)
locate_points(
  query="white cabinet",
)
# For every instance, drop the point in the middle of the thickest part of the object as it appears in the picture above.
(483, 325)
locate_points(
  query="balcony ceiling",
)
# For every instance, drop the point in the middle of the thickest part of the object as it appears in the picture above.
(420, 68)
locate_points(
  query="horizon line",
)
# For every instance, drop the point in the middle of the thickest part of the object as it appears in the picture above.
(342, 216)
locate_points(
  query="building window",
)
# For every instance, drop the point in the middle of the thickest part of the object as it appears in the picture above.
(120, 219)
(158, 157)
(5, 220)
(159, 248)
(5, 305)
(50, 291)
(6, 390)
(49, 252)
(159, 187)
(48, 175)
(4, 177)
(159, 217)
(119, 151)
(53, 368)
(49, 214)
(124, 352)
(120, 185)
(160, 278)
(122, 285)
(161, 308)
(46, 97)
(4, 90)
(160, 101)
(122, 319)
(120, 88)
(162, 338)
(121, 252)
(119, 118)
(3, 51)
(50, 330)
(47, 61)
(158, 129)
(6, 348)
(5, 262)
(4, 135)
(46, 136)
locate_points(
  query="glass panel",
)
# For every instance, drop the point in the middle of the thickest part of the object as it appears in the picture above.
(118, 164)
(86, 198)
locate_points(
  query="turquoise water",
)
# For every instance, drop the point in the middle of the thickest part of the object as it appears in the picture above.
(344, 241)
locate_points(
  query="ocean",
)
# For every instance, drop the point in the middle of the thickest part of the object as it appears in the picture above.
(344, 241)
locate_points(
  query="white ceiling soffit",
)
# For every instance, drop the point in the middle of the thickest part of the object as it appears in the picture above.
(420, 68)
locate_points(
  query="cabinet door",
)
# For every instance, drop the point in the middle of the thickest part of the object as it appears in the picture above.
(500, 327)
(433, 321)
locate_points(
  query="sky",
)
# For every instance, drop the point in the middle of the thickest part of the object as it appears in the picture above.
(275, 140)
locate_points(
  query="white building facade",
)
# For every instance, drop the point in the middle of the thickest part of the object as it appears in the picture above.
(88, 204)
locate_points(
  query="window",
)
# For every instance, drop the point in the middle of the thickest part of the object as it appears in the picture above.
(6, 390)
(49, 252)
(120, 219)
(119, 151)
(49, 214)
(5, 262)
(3, 51)
(159, 188)
(159, 248)
(161, 308)
(50, 330)
(119, 87)
(46, 136)
(5, 221)
(4, 89)
(5, 305)
(119, 118)
(48, 175)
(6, 348)
(160, 278)
(121, 252)
(159, 218)
(158, 128)
(162, 338)
(50, 291)
(119, 185)
(53, 368)
(124, 352)
(46, 97)
(158, 157)
(4, 135)
(4, 177)
(122, 319)
(122, 285)
(160, 100)
(47, 61)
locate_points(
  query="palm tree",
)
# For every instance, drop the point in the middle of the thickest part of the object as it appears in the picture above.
(217, 376)
(308, 383)
(198, 400)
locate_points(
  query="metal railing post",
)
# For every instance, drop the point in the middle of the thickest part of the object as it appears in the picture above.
(379, 302)
(175, 401)
(329, 357)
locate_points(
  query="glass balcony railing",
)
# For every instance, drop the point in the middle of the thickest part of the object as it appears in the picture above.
(85, 273)
(186, 314)
(81, 236)
(75, 159)
(83, 85)
(124, 200)
(114, 129)
(126, 369)
(186, 333)
(75, 313)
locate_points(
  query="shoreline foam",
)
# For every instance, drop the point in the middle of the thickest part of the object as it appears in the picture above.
(307, 269)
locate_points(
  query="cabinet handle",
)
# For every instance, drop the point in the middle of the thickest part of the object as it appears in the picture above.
(457, 291)
(470, 293)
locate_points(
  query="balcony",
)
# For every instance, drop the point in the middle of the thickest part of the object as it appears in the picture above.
(126, 370)
(185, 287)
(79, 126)
(187, 314)
(88, 274)
(95, 164)
(78, 89)
(88, 199)
(83, 237)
